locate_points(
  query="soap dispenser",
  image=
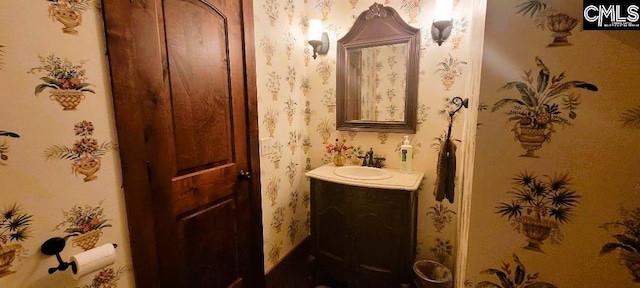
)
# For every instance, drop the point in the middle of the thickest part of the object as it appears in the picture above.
(406, 155)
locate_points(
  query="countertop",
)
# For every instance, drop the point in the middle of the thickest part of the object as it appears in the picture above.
(398, 180)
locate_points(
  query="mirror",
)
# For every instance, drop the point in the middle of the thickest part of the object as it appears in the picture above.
(380, 76)
(377, 74)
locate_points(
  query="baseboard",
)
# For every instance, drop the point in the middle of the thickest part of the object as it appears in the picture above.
(292, 270)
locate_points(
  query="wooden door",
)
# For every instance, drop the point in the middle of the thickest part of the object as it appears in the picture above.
(183, 78)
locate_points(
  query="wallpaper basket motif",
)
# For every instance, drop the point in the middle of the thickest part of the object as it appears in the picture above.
(627, 240)
(559, 23)
(7, 256)
(325, 7)
(85, 224)
(68, 13)
(538, 207)
(65, 80)
(450, 69)
(536, 230)
(413, 8)
(542, 103)
(85, 153)
(532, 138)
(87, 240)
(68, 99)
(14, 227)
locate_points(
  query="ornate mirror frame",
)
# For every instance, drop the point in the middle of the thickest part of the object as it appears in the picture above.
(377, 26)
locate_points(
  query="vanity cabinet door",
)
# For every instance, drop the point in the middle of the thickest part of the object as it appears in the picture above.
(377, 237)
(330, 210)
(362, 237)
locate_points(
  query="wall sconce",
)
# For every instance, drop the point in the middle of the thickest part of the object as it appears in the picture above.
(317, 39)
(441, 28)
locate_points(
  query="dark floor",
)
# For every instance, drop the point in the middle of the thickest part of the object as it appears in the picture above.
(293, 271)
(298, 277)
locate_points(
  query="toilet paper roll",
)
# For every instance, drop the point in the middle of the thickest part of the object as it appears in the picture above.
(93, 260)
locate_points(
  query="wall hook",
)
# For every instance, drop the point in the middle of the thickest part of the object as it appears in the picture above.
(54, 246)
(461, 103)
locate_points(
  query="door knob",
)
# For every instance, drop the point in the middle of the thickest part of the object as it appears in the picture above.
(244, 175)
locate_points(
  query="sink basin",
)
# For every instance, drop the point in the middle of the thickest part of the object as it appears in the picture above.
(362, 173)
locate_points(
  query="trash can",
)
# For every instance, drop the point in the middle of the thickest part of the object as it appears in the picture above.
(431, 274)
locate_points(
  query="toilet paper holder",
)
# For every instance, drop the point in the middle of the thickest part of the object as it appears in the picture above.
(54, 246)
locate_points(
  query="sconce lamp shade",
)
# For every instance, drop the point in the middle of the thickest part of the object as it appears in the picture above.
(315, 29)
(317, 39)
(441, 28)
(444, 10)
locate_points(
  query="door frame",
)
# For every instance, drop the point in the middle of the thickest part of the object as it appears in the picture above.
(129, 100)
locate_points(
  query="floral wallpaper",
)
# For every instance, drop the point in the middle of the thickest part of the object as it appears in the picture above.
(68, 13)
(579, 175)
(280, 28)
(539, 206)
(65, 80)
(57, 96)
(59, 162)
(15, 227)
(545, 16)
(84, 224)
(296, 106)
(627, 229)
(549, 100)
(85, 152)
(509, 276)
(555, 186)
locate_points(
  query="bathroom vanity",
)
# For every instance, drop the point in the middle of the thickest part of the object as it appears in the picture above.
(363, 226)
